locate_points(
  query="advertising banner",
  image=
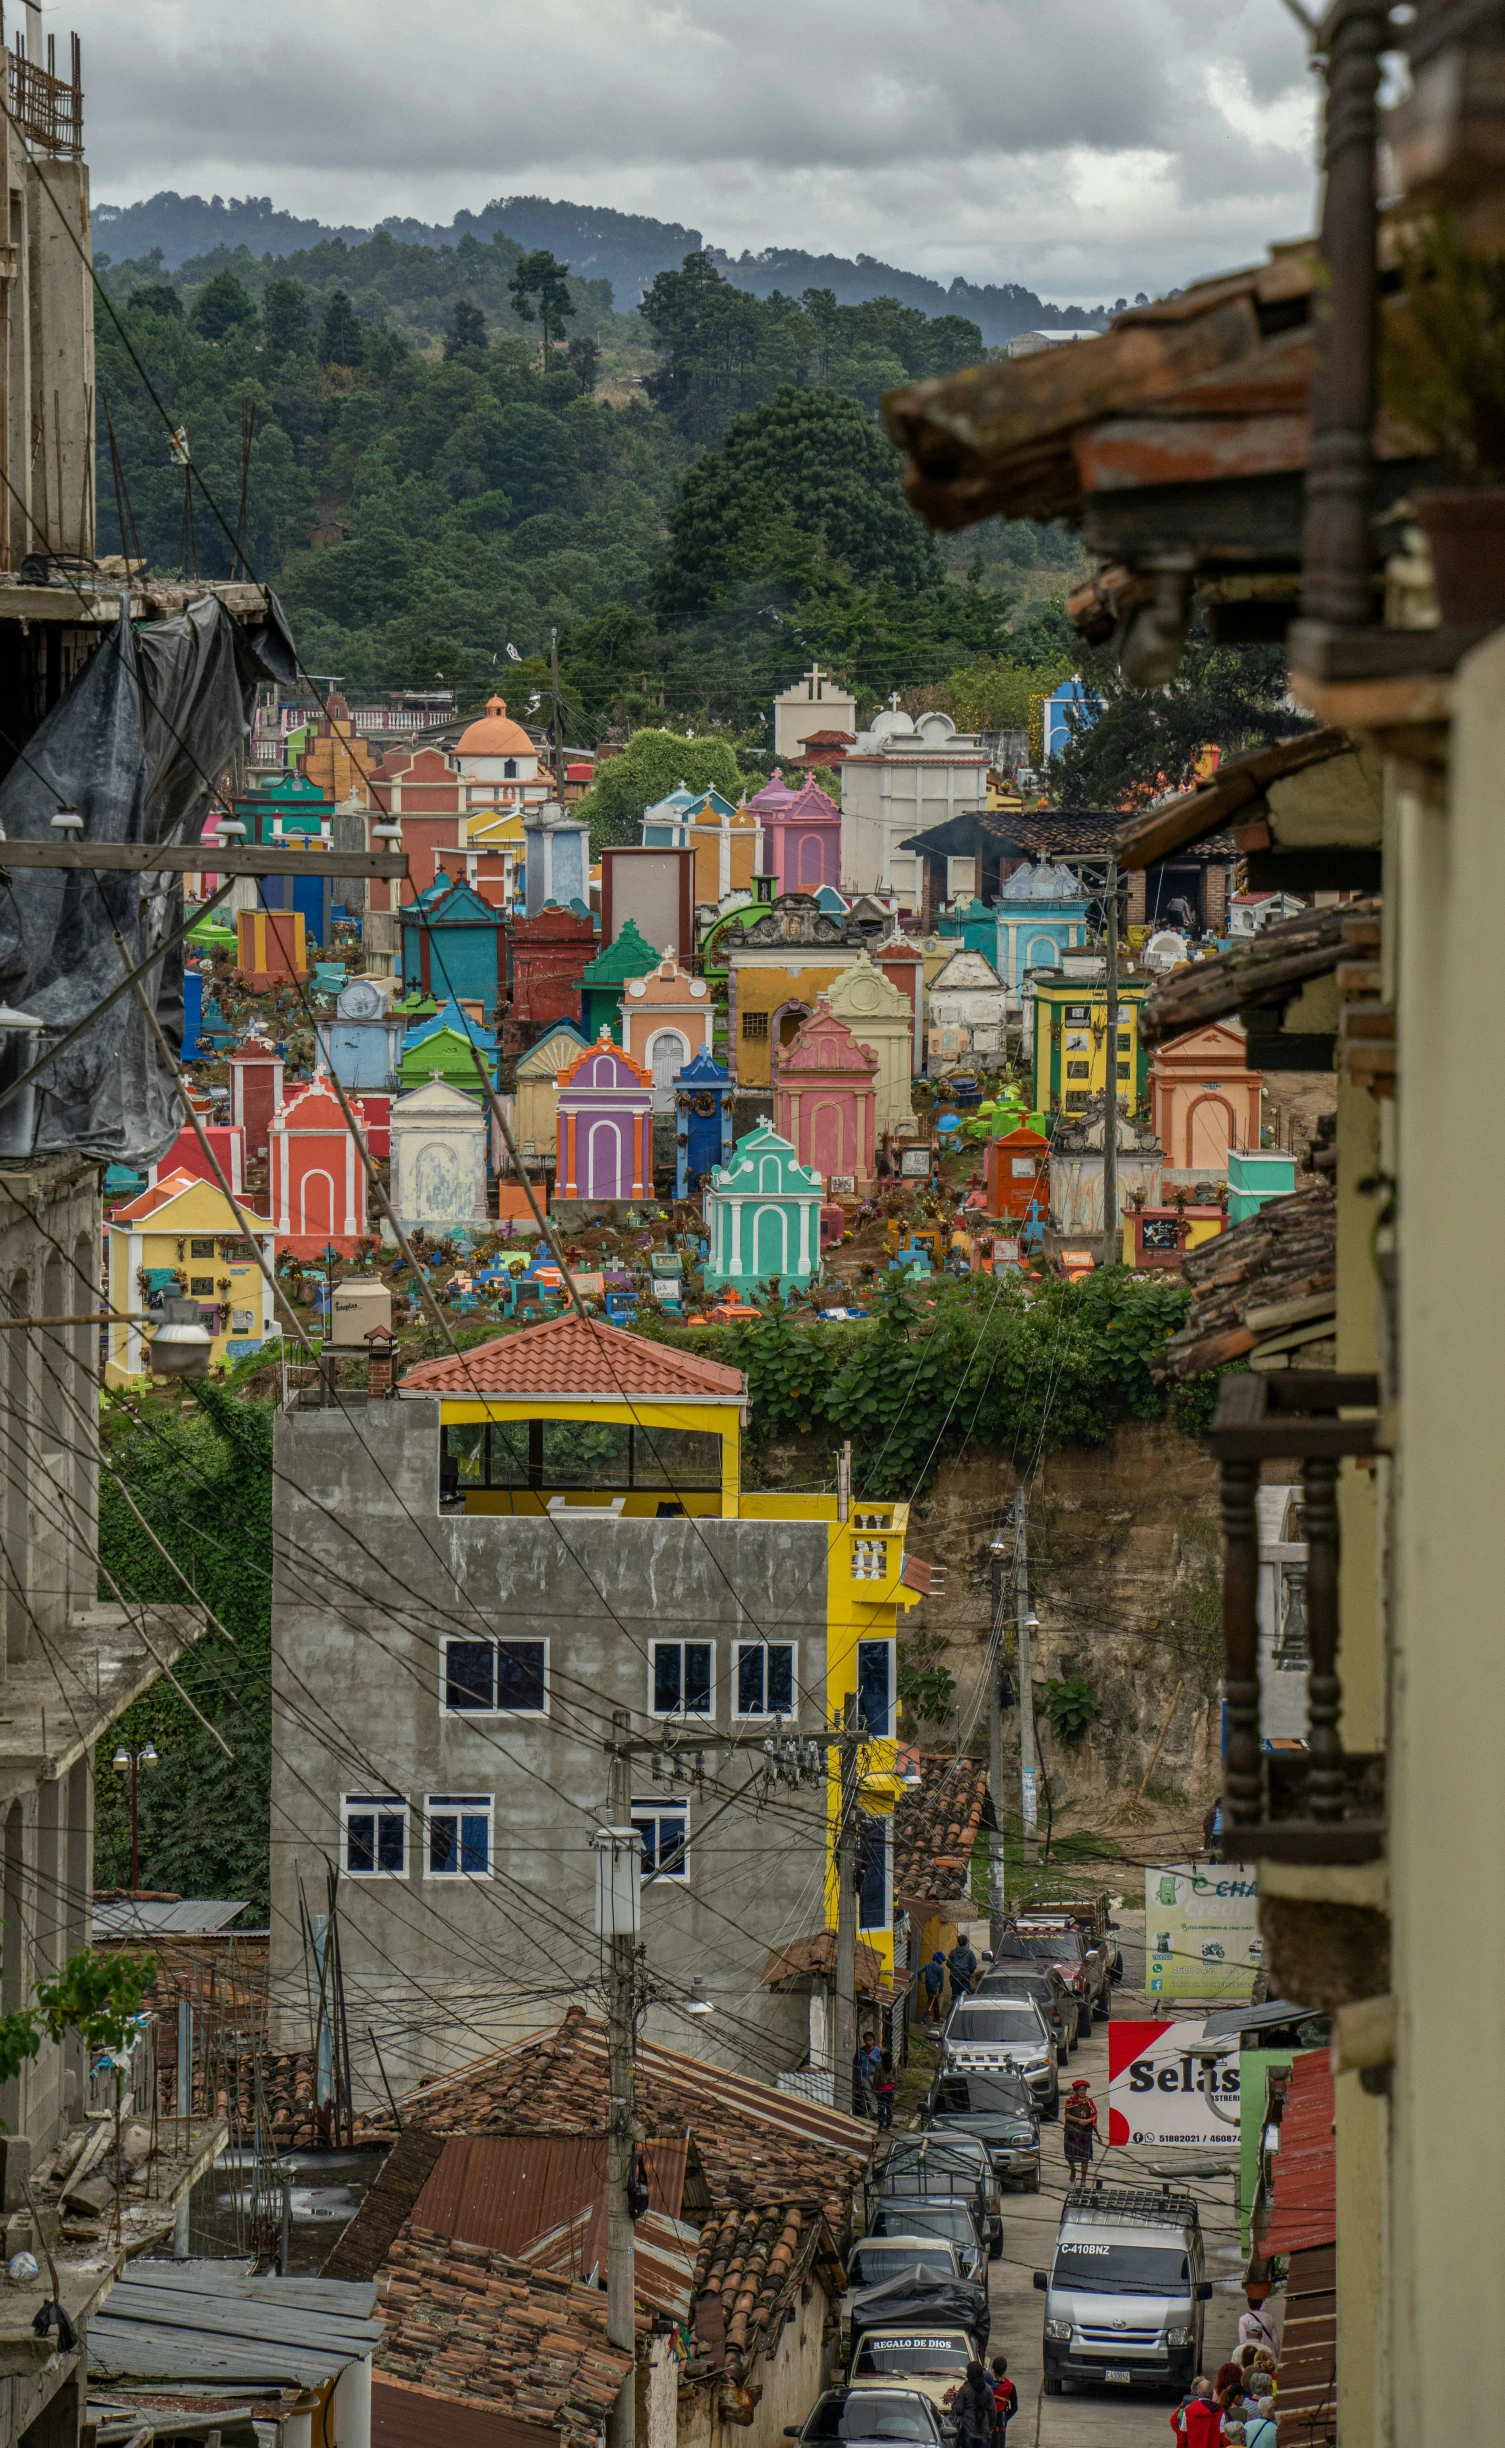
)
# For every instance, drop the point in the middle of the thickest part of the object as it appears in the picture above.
(1201, 1932)
(1155, 2088)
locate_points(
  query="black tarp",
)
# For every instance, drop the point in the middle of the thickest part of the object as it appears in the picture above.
(137, 745)
(921, 2299)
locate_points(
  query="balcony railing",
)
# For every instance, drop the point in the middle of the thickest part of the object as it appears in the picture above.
(49, 113)
(1323, 1804)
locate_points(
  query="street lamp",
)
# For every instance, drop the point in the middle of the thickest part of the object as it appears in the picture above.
(130, 1763)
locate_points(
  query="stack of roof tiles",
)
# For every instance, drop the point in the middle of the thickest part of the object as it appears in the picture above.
(469, 2323)
(1262, 974)
(935, 1828)
(757, 2146)
(1273, 1277)
(572, 1355)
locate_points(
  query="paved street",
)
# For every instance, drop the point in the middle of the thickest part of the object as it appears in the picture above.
(1097, 2418)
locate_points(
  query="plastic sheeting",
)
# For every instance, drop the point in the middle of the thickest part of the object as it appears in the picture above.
(137, 745)
(921, 2299)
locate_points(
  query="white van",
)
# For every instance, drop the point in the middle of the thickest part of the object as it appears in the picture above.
(1124, 2292)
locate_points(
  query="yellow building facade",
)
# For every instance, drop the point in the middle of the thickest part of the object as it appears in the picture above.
(182, 1238)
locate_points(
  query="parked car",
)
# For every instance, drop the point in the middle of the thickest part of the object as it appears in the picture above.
(857, 2416)
(1001, 2036)
(932, 2358)
(1124, 2292)
(877, 2261)
(1090, 1913)
(1061, 1943)
(1067, 2013)
(954, 2218)
(927, 2169)
(993, 2110)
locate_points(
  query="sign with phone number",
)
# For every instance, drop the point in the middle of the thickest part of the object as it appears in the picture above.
(1156, 2092)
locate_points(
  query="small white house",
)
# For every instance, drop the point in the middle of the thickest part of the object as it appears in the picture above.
(966, 1007)
(438, 1158)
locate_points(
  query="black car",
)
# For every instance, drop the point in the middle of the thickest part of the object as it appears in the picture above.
(920, 2175)
(853, 2415)
(1068, 2015)
(997, 2110)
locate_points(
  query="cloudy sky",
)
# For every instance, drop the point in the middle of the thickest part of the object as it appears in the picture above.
(1089, 148)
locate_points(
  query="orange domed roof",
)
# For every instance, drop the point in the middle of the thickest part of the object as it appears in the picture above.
(495, 734)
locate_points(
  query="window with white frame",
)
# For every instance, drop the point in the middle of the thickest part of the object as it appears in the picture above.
(665, 1830)
(680, 1678)
(459, 1835)
(495, 1678)
(764, 1679)
(375, 1833)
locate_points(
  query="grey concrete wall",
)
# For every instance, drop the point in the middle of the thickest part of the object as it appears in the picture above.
(370, 1580)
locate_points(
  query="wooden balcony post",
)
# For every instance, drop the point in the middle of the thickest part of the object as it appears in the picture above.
(1325, 1781)
(1241, 1767)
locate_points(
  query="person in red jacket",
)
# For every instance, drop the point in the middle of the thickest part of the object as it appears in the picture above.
(1198, 2422)
(1005, 2395)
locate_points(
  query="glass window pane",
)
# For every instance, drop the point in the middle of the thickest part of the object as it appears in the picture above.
(509, 1454)
(872, 1908)
(697, 1678)
(750, 1680)
(520, 1674)
(667, 1684)
(675, 1458)
(874, 1666)
(672, 1832)
(648, 1830)
(466, 1447)
(469, 1677)
(442, 1844)
(585, 1454)
(781, 1679)
(360, 1841)
(391, 1830)
(475, 1844)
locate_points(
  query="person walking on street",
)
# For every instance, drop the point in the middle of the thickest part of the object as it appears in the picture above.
(869, 2060)
(934, 1979)
(1256, 2327)
(974, 2409)
(885, 2083)
(1198, 2420)
(1079, 2130)
(1259, 2427)
(961, 1963)
(1005, 2395)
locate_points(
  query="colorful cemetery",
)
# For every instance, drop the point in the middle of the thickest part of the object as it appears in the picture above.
(703, 1123)
(454, 943)
(181, 1237)
(557, 860)
(725, 840)
(256, 1074)
(880, 1017)
(438, 1159)
(362, 1044)
(801, 835)
(603, 983)
(271, 947)
(825, 1102)
(1040, 912)
(604, 1141)
(228, 1143)
(442, 1044)
(536, 1104)
(549, 955)
(763, 1217)
(1204, 1101)
(1016, 1175)
(966, 1007)
(666, 1022)
(316, 1182)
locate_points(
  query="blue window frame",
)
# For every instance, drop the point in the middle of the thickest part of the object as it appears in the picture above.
(665, 1830)
(681, 1678)
(376, 1835)
(496, 1678)
(459, 1835)
(765, 1679)
(872, 1899)
(875, 1685)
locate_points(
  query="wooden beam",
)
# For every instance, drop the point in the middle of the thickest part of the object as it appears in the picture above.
(88, 604)
(180, 858)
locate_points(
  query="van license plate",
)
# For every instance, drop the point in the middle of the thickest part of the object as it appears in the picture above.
(1124, 2378)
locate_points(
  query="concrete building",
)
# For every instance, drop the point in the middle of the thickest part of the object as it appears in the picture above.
(182, 1237)
(1204, 1100)
(438, 1158)
(814, 703)
(541, 1549)
(1033, 343)
(900, 778)
(968, 1011)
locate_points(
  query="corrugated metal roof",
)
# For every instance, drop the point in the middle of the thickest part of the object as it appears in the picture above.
(186, 1917)
(407, 2417)
(504, 2190)
(664, 2253)
(1306, 2165)
(213, 2321)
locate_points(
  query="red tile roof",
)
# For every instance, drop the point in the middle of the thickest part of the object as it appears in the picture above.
(570, 1355)
(935, 1828)
(1306, 2165)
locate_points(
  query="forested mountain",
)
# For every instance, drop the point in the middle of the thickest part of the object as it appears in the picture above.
(627, 249)
(447, 451)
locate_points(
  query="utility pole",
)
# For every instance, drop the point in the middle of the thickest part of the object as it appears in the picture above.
(1028, 1773)
(554, 705)
(1110, 1099)
(844, 2037)
(617, 1899)
(996, 1674)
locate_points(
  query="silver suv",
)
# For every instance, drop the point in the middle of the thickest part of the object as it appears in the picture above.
(1124, 2292)
(993, 2035)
